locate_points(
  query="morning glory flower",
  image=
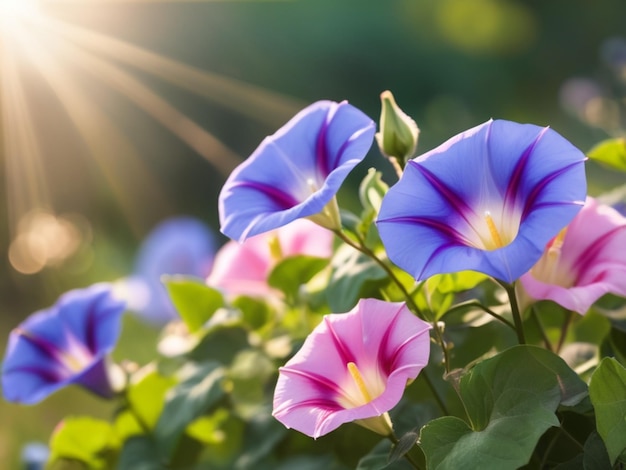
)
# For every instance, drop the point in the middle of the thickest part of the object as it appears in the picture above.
(487, 200)
(353, 367)
(243, 268)
(179, 245)
(65, 344)
(585, 261)
(296, 172)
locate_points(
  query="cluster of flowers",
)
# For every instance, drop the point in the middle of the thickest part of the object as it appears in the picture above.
(504, 199)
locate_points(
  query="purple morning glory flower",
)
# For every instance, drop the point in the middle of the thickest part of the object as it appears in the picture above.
(180, 245)
(486, 200)
(353, 367)
(65, 344)
(296, 172)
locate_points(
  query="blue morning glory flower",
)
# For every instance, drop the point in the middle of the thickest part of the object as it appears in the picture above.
(65, 344)
(180, 245)
(486, 200)
(297, 171)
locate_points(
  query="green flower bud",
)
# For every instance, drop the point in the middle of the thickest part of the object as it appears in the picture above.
(398, 132)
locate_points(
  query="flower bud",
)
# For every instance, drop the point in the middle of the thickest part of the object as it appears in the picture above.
(398, 132)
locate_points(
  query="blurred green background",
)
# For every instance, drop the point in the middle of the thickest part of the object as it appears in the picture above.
(123, 100)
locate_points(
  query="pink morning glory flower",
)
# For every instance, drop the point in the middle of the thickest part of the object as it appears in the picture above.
(243, 268)
(487, 200)
(65, 344)
(585, 261)
(353, 367)
(296, 172)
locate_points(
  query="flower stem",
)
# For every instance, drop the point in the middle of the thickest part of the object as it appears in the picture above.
(535, 316)
(433, 390)
(409, 299)
(517, 317)
(566, 324)
(474, 303)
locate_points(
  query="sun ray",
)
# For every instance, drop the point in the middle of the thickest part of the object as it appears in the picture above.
(104, 140)
(56, 50)
(220, 156)
(251, 101)
(25, 182)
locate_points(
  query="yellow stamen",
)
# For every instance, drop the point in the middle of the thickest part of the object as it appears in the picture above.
(493, 230)
(358, 380)
(558, 240)
(276, 251)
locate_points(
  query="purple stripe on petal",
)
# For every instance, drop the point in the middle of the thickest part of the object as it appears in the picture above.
(381, 352)
(46, 375)
(46, 347)
(584, 262)
(315, 379)
(536, 191)
(455, 202)
(441, 227)
(517, 177)
(325, 405)
(342, 349)
(279, 197)
(321, 151)
(90, 328)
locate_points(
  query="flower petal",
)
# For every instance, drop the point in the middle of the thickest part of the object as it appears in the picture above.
(590, 263)
(316, 393)
(243, 268)
(487, 200)
(295, 172)
(61, 345)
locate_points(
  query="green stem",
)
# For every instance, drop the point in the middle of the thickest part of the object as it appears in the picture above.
(392, 437)
(366, 251)
(517, 317)
(564, 328)
(433, 390)
(409, 299)
(535, 316)
(474, 303)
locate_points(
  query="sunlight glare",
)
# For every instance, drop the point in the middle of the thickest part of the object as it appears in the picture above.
(13, 12)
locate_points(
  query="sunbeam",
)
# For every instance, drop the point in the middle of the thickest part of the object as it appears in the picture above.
(56, 50)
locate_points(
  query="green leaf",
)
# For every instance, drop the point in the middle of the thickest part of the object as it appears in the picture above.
(140, 453)
(194, 396)
(595, 455)
(195, 301)
(351, 271)
(262, 435)
(404, 445)
(379, 458)
(510, 400)
(292, 272)
(91, 441)
(145, 397)
(607, 390)
(611, 152)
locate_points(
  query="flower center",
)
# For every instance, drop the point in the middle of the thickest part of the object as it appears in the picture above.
(548, 268)
(496, 240)
(358, 380)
